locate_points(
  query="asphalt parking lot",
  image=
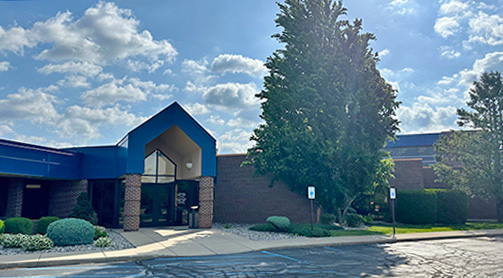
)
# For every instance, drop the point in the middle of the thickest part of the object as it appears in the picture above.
(472, 257)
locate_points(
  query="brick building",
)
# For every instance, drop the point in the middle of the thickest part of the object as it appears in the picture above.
(167, 165)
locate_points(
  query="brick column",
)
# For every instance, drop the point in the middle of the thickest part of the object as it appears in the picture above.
(205, 202)
(132, 198)
(15, 197)
(64, 196)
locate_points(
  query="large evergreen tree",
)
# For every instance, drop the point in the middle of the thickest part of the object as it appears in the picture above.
(477, 155)
(327, 110)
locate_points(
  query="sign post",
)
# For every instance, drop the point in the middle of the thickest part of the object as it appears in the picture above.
(392, 197)
(311, 195)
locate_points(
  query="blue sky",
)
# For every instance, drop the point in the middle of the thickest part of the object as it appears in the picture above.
(87, 72)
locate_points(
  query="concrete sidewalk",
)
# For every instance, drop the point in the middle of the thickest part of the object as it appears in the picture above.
(181, 242)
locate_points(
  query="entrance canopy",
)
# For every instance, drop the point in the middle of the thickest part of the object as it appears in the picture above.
(173, 131)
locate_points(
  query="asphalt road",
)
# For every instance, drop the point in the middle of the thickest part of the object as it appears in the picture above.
(474, 257)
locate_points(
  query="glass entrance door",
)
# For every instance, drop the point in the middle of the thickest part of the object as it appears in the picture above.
(157, 204)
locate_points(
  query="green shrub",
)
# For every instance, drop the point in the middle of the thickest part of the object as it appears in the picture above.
(37, 242)
(103, 242)
(305, 230)
(327, 218)
(354, 220)
(84, 209)
(44, 222)
(264, 227)
(416, 207)
(452, 207)
(99, 232)
(367, 219)
(19, 225)
(280, 222)
(2, 227)
(71, 231)
(12, 240)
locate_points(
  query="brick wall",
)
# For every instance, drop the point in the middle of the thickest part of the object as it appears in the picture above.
(408, 174)
(15, 197)
(241, 198)
(206, 196)
(132, 202)
(63, 196)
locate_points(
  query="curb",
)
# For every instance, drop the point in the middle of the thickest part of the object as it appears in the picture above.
(390, 240)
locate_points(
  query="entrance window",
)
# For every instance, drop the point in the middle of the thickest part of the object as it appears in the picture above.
(158, 169)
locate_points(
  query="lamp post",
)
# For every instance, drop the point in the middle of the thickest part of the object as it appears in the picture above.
(311, 195)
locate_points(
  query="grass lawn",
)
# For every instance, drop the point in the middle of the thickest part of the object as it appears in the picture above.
(355, 232)
(403, 229)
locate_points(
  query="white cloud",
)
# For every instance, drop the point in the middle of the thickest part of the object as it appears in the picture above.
(384, 52)
(138, 66)
(216, 120)
(128, 90)
(238, 64)
(453, 7)
(195, 88)
(194, 67)
(74, 81)
(234, 141)
(5, 66)
(446, 26)
(196, 109)
(402, 7)
(5, 129)
(450, 54)
(240, 122)
(421, 117)
(82, 68)
(232, 95)
(487, 29)
(398, 77)
(85, 122)
(104, 33)
(33, 105)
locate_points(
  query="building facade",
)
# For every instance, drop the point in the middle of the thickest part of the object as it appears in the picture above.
(152, 177)
(169, 165)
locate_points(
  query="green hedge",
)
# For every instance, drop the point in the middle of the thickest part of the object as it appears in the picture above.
(44, 222)
(71, 231)
(452, 207)
(416, 207)
(2, 227)
(282, 223)
(19, 225)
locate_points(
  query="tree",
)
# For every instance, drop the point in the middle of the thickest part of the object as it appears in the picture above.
(84, 209)
(326, 108)
(472, 161)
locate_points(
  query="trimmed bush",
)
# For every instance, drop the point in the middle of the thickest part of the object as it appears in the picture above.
(44, 222)
(452, 207)
(367, 219)
(37, 242)
(354, 220)
(12, 240)
(103, 242)
(280, 222)
(99, 232)
(327, 218)
(305, 230)
(264, 227)
(416, 207)
(2, 227)
(71, 231)
(19, 225)
(84, 209)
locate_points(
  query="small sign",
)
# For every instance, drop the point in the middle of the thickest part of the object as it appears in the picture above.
(310, 192)
(392, 193)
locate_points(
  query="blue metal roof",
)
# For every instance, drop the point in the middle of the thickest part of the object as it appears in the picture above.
(127, 157)
(414, 140)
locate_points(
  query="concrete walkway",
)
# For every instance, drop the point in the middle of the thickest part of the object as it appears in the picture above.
(181, 242)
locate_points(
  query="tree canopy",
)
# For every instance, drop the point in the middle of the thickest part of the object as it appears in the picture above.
(326, 108)
(472, 161)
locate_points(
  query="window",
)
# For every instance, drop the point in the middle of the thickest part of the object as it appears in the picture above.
(158, 169)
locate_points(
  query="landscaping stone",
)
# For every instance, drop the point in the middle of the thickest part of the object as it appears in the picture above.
(118, 242)
(243, 230)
